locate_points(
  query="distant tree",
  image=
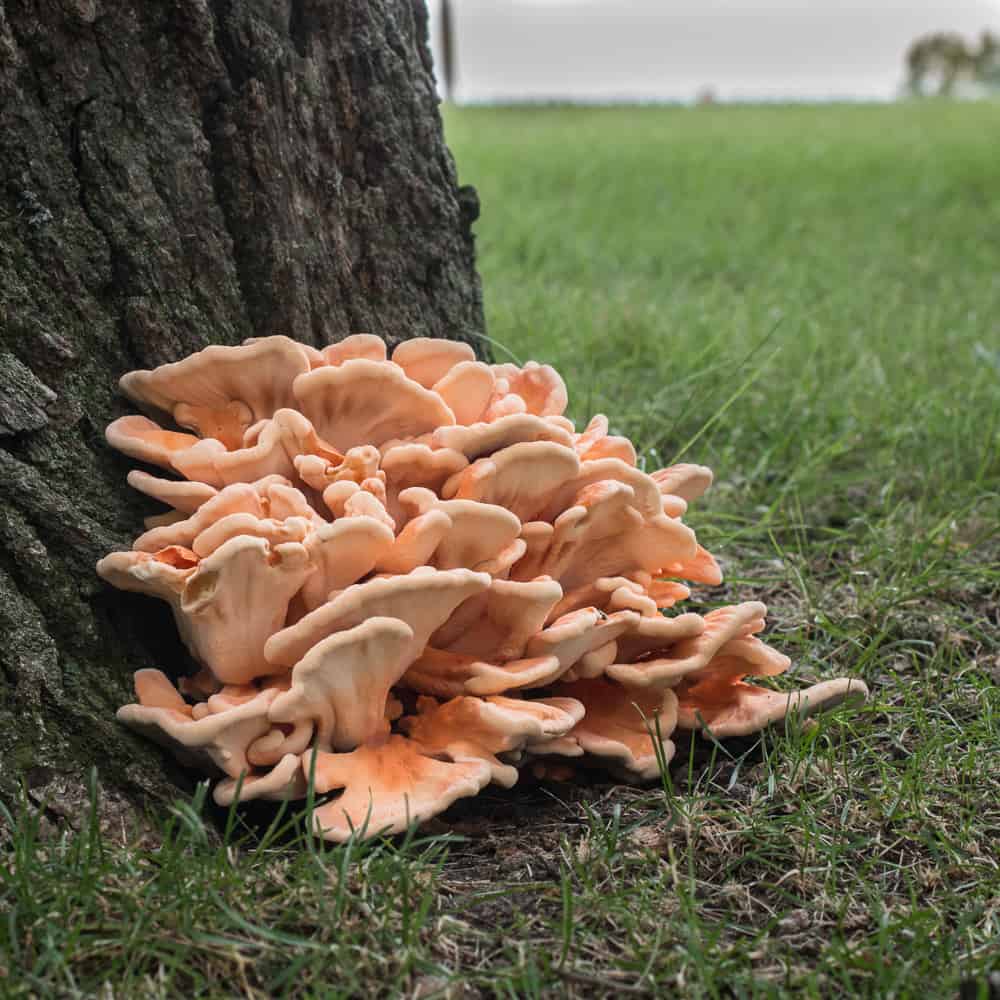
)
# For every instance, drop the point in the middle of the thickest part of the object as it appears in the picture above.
(988, 59)
(936, 63)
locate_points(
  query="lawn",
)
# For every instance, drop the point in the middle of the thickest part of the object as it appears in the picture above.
(807, 300)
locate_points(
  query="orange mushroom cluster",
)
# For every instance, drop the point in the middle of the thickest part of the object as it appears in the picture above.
(409, 577)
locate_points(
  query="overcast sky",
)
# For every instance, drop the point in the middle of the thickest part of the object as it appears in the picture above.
(671, 49)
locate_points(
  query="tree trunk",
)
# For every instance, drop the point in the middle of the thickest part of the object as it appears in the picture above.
(175, 173)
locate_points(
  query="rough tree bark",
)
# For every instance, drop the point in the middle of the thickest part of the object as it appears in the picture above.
(175, 173)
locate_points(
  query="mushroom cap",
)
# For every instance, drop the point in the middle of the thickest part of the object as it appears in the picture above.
(342, 683)
(647, 501)
(387, 787)
(270, 447)
(603, 534)
(160, 574)
(521, 477)
(497, 624)
(685, 481)
(681, 645)
(367, 402)
(699, 568)
(486, 438)
(466, 389)
(141, 438)
(284, 781)
(478, 532)
(467, 728)
(235, 600)
(408, 465)
(358, 345)
(216, 742)
(422, 599)
(539, 386)
(240, 498)
(186, 497)
(258, 374)
(620, 724)
(595, 443)
(446, 674)
(343, 552)
(427, 360)
(578, 633)
(738, 709)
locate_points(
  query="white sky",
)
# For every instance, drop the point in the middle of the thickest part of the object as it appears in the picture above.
(671, 49)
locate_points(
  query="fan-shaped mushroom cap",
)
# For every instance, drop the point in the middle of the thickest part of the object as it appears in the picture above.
(343, 552)
(409, 465)
(388, 787)
(292, 529)
(343, 681)
(348, 499)
(522, 477)
(199, 390)
(284, 781)
(427, 360)
(480, 439)
(592, 664)
(141, 438)
(160, 574)
(578, 633)
(496, 625)
(216, 741)
(184, 496)
(478, 531)
(607, 593)
(554, 716)
(365, 402)
(537, 536)
(681, 645)
(539, 386)
(467, 389)
(685, 481)
(240, 498)
(477, 729)
(446, 674)
(595, 443)
(358, 345)
(620, 724)
(700, 568)
(357, 465)
(666, 593)
(423, 599)
(647, 501)
(603, 534)
(715, 697)
(500, 565)
(594, 432)
(270, 449)
(236, 600)
(416, 543)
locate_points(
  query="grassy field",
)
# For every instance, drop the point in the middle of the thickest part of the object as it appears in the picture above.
(808, 300)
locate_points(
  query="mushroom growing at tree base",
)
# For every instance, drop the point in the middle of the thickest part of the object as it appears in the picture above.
(408, 577)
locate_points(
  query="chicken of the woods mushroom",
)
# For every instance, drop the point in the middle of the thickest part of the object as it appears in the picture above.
(407, 577)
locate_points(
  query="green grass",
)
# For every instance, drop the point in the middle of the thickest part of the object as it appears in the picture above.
(808, 300)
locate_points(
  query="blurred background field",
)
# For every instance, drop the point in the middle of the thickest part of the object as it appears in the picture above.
(806, 299)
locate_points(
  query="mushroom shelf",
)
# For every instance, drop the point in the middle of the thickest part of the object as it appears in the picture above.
(410, 577)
